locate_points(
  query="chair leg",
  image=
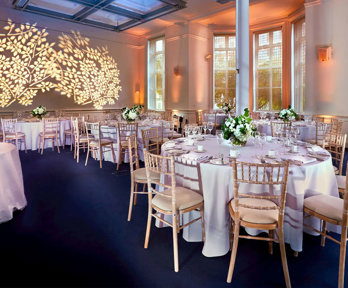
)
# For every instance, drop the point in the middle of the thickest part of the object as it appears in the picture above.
(131, 199)
(64, 141)
(342, 257)
(78, 152)
(201, 210)
(25, 144)
(75, 152)
(87, 156)
(52, 140)
(270, 243)
(148, 226)
(57, 142)
(175, 243)
(136, 195)
(119, 158)
(113, 153)
(323, 230)
(71, 141)
(101, 157)
(234, 252)
(43, 145)
(283, 256)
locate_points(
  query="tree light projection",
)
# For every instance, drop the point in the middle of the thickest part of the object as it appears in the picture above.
(27, 63)
(87, 75)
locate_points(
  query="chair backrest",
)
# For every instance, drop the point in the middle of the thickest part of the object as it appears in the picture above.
(279, 126)
(322, 130)
(93, 129)
(50, 126)
(165, 166)
(125, 130)
(133, 153)
(167, 130)
(336, 126)
(151, 140)
(345, 207)
(272, 175)
(8, 126)
(76, 128)
(336, 146)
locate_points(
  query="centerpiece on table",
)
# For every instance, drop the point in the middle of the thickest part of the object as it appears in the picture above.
(131, 114)
(239, 129)
(228, 105)
(288, 114)
(39, 112)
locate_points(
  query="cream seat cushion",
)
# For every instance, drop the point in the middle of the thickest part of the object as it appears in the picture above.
(326, 205)
(341, 181)
(255, 215)
(140, 175)
(103, 141)
(185, 198)
(13, 135)
(48, 134)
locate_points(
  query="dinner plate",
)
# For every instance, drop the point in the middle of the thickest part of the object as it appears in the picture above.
(272, 156)
(217, 161)
(199, 151)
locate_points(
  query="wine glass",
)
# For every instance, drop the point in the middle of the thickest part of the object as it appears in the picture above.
(205, 127)
(210, 126)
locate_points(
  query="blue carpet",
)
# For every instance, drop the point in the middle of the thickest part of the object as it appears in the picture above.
(74, 232)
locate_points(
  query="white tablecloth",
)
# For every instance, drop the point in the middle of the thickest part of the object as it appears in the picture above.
(33, 129)
(307, 130)
(215, 182)
(11, 182)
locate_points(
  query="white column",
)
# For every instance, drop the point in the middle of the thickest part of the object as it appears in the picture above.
(242, 36)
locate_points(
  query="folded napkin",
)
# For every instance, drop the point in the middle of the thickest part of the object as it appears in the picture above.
(195, 157)
(168, 145)
(317, 150)
(298, 158)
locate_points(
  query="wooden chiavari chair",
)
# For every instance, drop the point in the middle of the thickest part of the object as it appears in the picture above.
(80, 140)
(173, 200)
(336, 126)
(168, 132)
(322, 129)
(334, 210)
(11, 134)
(261, 211)
(151, 141)
(279, 127)
(96, 143)
(124, 131)
(69, 133)
(50, 127)
(336, 144)
(138, 175)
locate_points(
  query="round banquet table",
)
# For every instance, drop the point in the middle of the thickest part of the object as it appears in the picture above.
(11, 182)
(308, 176)
(32, 129)
(307, 130)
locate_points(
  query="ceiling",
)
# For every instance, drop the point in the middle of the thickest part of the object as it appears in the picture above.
(140, 17)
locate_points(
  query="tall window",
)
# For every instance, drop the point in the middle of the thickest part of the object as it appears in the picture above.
(224, 68)
(268, 70)
(298, 64)
(156, 74)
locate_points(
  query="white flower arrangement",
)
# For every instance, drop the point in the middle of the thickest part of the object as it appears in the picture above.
(39, 112)
(287, 114)
(226, 104)
(239, 129)
(131, 114)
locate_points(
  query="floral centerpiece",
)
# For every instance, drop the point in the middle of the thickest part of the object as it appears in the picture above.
(287, 114)
(39, 112)
(226, 104)
(239, 129)
(131, 114)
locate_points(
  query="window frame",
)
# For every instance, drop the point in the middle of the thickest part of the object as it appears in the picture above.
(226, 35)
(151, 60)
(254, 71)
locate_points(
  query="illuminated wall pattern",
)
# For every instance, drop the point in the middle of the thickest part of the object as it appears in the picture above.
(29, 64)
(87, 75)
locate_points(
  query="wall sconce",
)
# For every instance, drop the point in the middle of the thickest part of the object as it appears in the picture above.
(207, 57)
(177, 71)
(324, 53)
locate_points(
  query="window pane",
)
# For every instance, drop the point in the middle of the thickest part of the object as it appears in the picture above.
(263, 39)
(231, 42)
(231, 58)
(159, 45)
(263, 99)
(276, 77)
(277, 37)
(263, 79)
(220, 79)
(277, 56)
(263, 58)
(220, 60)
(276, 99)
(231, 79)
(219, 42)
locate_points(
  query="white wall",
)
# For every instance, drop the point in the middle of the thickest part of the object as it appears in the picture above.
(125, 48)
(326, 82)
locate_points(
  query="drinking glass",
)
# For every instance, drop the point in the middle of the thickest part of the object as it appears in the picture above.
(205, 127)
(210, 127)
